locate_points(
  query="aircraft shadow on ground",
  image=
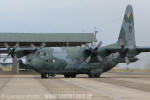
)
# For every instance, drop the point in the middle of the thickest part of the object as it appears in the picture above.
(93, 78)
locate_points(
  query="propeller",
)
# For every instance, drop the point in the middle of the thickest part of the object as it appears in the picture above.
(124, 52)
(93, 52)
(10, 50)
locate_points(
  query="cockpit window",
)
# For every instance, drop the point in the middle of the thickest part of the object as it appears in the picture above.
(42, 54)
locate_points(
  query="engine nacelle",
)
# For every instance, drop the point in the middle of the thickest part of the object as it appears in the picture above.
(122, 60)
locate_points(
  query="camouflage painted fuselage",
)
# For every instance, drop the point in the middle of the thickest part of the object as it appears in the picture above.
(63, 60)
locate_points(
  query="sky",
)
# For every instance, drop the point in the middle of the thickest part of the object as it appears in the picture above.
(76, 16)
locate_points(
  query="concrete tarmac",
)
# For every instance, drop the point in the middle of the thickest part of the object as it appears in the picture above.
(111, 86)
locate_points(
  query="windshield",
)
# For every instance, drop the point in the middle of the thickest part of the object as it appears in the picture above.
(42, 54)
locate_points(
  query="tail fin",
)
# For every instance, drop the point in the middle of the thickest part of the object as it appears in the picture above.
(127, 32)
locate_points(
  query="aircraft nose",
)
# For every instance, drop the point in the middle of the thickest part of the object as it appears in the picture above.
(30, 59)
(35, 62)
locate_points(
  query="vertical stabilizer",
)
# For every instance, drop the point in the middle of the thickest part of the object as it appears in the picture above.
(127, 32)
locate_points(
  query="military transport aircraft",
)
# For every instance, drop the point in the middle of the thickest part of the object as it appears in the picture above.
(70, 61)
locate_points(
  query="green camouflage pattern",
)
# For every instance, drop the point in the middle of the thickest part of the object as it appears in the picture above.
(68, 60)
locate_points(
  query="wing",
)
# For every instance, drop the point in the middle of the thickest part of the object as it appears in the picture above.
(18, 52)
(113, 50)
(143, 49)
(21, 52)
(107, 50)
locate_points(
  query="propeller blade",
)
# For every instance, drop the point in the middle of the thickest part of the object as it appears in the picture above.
(127, 60)
(6, 45)
(93, 52)
(16, 45)
(88, 59)
(5, 58)
(100, 58)
(43, 45)
(33, 46)
(87, 45)
(99, 44)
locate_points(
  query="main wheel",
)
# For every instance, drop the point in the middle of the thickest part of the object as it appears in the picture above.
(70, 75)
(94, 75)
(52, 75)
(73, 75)
(66, 76)
(44, 75)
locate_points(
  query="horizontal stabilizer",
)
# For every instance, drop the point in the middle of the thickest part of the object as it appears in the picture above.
(143, 49)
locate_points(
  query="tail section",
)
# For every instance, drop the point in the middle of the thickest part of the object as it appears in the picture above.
(128, 49)
(127, 32)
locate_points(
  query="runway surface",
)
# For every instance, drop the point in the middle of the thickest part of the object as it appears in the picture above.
(111, 86)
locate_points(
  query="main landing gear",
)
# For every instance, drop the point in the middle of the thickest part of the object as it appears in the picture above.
(70, 75)
(94, 75)
(45, 75)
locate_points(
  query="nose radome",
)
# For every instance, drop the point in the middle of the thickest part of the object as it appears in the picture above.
(34, 62)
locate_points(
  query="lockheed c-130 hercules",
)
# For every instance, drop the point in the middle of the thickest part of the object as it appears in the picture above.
(70, 61)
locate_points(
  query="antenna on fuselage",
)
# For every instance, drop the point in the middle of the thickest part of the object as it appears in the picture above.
(95, 33)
